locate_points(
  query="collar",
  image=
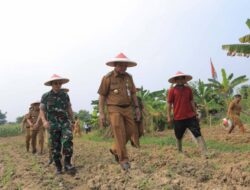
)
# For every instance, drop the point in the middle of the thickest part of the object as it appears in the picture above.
(116, 74)
(179, 86)
(56, 93)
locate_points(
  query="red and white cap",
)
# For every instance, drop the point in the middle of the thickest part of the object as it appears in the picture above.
(179, 74)
(121, 58)
(56, 78)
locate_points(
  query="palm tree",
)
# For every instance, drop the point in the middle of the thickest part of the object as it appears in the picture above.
(239, 49)
(226, 87)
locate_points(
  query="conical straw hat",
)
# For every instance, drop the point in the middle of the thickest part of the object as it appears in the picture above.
(121, 58)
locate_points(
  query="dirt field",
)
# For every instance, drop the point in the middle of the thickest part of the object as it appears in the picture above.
(152, 167)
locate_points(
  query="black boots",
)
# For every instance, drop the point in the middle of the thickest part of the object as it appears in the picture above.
(67, 164)
(58, 167)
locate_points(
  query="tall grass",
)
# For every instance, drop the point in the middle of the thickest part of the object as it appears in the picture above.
(10, 130)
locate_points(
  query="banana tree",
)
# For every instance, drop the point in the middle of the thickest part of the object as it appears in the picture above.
(154, 109)
(226, 87)
(206, 99)
(202, 94)
(239, 49)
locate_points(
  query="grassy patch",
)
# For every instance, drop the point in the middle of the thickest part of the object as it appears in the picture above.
(162, 141)
(9, 171)
(96, 137)
(144, 184)
(170, 172)
(224, 147)
(10, 130)
(169, 140)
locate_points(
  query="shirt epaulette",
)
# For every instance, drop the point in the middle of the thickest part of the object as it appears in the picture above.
(109, 74)
(129, 75)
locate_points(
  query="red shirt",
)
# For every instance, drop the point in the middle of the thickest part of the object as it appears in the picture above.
(181, 98)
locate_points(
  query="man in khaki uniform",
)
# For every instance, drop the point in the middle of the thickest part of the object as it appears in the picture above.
(26, 125)
(234, 110)
(117, 91)
(77, 127)
(36, 127)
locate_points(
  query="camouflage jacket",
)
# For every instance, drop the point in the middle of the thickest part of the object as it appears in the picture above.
(55, 104)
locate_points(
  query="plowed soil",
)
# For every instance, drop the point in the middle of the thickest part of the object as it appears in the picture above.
(152, 166)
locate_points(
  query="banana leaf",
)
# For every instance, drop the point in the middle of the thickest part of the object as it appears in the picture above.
(245, 39)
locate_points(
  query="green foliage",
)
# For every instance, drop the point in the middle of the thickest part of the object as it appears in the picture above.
(226, 87)
(2, 118)
(84, 115)
(19, 119)
(239, 49)
(10, 130)
(154, 112)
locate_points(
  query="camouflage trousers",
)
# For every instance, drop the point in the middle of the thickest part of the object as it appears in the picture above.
(61, 139)
(50, 149)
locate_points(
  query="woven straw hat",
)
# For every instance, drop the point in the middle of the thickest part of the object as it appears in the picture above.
(121, 58)
(179, 74)
(56, 78)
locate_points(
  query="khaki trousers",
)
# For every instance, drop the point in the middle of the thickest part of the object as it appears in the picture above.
(27, 138)
(77, 130)
(124, 129)
(40, 133)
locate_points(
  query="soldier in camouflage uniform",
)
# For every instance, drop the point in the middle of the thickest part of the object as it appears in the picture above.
(56, 113)
(49, 139)
(35, 127)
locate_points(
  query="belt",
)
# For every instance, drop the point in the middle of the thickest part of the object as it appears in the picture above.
(121, 106)
(58, 115)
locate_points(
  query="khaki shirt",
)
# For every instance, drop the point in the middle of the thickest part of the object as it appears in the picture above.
(117, 88)
(24, 121)
(33, 116)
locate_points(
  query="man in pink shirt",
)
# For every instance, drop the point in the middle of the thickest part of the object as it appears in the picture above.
(180, 99)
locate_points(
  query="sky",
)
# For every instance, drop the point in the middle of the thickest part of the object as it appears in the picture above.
(75, 39)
